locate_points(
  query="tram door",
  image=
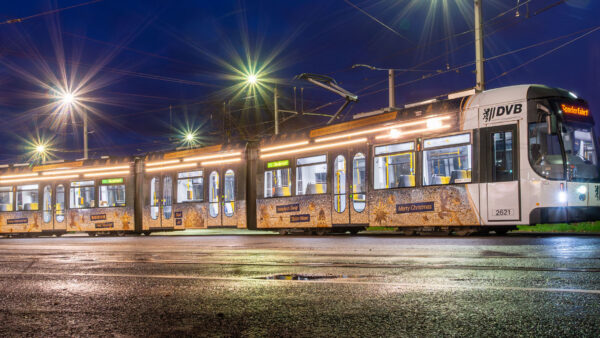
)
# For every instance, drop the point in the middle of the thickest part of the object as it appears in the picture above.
(340, 213)
(221, 197)
(161, 202)
(501, 192)
(53, 207)
(47, 207)
(229, 201)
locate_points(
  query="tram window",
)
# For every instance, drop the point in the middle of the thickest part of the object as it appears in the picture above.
(229, 193)
(6, 198)
(311, 175)
(447, 165)
(60, 203)
(502, 155)
(213, 194)
(545, 152)
(190, 187)
(154, 198)
(47, 206)
(112, 195)
(394, 166)
(339, 183)
(278, 183)
(82, 195)
(27, 197)
(359, 182)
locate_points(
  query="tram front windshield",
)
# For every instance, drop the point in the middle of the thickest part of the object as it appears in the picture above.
(574, 142)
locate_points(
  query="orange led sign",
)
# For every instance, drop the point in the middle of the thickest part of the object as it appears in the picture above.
(574, 110)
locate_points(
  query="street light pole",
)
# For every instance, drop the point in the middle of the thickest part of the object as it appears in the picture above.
(276, 111)
(392, 96)
(479, 81)
(85, 135)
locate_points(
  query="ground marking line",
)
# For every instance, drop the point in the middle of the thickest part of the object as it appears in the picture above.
(331, 281)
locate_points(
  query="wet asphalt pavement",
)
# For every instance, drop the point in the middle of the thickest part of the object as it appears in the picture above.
(300, 286)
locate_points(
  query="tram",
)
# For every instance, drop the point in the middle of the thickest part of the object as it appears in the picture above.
(471, 162)
(93, 196)
(481, 162)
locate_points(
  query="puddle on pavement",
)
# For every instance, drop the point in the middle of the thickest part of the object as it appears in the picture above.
(490, 253)
(308, 277)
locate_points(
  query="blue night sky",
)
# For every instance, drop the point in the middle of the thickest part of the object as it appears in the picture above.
(134, 59)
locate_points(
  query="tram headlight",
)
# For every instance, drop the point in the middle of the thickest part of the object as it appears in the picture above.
(562, 197)
(582, 189)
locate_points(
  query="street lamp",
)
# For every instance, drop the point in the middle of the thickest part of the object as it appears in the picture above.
(70, 99)
(252, 79)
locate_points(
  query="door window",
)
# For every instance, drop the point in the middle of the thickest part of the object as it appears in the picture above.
(359, 183)
(339, 184)
(502, 156)
(213, 194)
(47, 204)
(60, 203)
(154, 199)
(167, 197)
(229, 197)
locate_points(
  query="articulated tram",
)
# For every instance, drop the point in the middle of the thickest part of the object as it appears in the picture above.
(470, 163)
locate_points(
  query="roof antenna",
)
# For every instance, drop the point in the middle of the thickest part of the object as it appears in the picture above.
(330, 84)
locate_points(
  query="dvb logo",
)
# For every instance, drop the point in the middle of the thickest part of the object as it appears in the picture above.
(491, 113)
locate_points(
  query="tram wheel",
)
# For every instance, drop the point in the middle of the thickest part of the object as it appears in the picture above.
(58, 234)
(283, 232)
(354, 231)
(120, 233)
(463, 232)
(501, 232)
(91, 234)
(320, 232)
(147, 233)
(409, 232)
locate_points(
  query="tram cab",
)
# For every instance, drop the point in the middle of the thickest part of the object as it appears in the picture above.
(539, 156)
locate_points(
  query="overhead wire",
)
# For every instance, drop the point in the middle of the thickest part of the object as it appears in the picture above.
(53, 11)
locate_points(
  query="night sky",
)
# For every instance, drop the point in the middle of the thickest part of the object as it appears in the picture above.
(153, 68)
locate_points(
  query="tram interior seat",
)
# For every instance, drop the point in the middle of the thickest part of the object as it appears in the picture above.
(30, 206)
(282, 191)
(458, 175)
(439, 179)
(406, 181)
(313, 188)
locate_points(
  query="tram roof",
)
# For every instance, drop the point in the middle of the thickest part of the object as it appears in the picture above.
(89, 169)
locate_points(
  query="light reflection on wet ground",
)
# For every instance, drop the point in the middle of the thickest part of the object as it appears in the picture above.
(306, 286)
